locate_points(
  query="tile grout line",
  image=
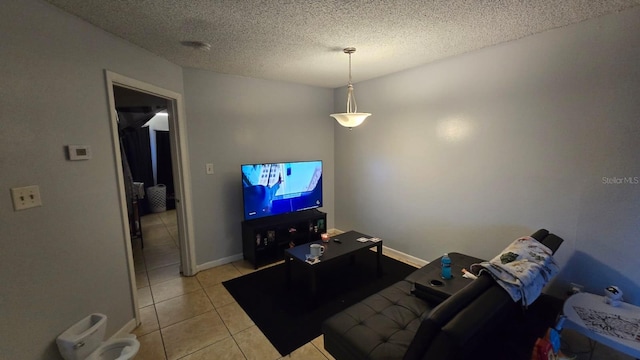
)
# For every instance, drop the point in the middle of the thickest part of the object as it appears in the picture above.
(155, 309)
(164, 348)
(225, 325)
(319, 350)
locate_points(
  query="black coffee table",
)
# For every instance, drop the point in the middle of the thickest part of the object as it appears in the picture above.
(333, 252)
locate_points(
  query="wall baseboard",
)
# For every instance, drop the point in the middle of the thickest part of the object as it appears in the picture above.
(125, 330)
(214, 263)
(403, 257)
(399, 255)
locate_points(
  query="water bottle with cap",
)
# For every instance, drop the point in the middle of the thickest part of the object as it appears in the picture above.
(446, 266)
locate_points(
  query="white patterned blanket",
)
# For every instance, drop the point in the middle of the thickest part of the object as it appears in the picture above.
(522, 269)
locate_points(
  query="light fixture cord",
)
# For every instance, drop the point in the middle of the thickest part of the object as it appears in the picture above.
(352, 107)
(349, 68)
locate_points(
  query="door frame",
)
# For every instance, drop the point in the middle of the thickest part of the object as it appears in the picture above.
(181, 174)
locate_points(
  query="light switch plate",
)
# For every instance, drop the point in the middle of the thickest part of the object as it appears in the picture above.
(26, 197)
(209, 169)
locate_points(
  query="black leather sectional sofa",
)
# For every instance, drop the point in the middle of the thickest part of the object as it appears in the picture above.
(408, 321)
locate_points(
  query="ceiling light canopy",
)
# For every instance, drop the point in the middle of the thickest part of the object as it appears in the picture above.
(198, 45)
(352, 117)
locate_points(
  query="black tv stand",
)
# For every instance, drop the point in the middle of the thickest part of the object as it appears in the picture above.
(264, 240)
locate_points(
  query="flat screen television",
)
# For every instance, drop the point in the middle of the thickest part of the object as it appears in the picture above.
(280, 188)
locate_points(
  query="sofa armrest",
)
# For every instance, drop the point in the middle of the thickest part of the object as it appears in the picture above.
(443, 313)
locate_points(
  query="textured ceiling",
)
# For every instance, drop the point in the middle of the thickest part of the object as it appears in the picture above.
(301, 41)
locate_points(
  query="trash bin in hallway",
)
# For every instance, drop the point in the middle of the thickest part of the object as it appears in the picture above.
(157, 197)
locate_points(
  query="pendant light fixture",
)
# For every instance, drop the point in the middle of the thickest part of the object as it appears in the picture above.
(352, 117)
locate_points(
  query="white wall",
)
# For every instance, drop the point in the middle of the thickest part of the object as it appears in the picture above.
(156, 123)
(471, 152)
(236, 120)
(66, 259)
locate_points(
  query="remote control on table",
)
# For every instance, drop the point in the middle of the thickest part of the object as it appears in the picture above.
(338, 241)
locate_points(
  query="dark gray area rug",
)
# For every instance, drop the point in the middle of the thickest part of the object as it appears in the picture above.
(289, 317)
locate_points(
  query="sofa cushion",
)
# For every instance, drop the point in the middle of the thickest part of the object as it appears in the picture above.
(472, 324)
(379, 327)
(540, 234)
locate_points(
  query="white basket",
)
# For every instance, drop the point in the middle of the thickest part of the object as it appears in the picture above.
(157, 196)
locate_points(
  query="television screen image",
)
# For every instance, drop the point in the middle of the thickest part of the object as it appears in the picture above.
(280, 188)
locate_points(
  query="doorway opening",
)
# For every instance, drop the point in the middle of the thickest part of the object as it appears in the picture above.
(149, 141)
(144, 133)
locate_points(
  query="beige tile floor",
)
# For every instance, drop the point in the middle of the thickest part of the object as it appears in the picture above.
(195, 318)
